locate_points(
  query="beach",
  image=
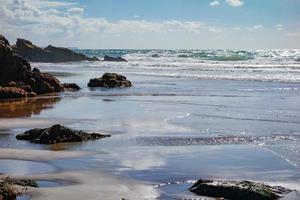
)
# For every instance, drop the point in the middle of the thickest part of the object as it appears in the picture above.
(190, 114)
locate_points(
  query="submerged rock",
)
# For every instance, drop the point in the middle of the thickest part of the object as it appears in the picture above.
(114, 59)
(51, 53)
(58, 134)
(235, 190)
(110, 80)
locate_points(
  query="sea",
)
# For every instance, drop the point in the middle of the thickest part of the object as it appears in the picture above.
(190, 114)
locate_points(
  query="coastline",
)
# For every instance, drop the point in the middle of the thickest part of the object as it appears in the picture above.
(166, 132)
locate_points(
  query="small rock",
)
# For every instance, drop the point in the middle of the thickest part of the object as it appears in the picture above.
(58, 134)
(110, 80)
(36, 70)
(71, 87)
(235, 190)
(114, 59)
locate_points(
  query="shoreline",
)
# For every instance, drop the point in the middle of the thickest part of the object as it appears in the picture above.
(166, 130)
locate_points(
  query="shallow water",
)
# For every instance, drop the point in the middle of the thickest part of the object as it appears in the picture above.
(167, 130)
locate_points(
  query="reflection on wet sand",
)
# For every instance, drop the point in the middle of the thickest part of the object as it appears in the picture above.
(79, 184)
(26, 107)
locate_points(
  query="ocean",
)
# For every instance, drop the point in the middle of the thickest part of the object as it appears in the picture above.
(223, 114)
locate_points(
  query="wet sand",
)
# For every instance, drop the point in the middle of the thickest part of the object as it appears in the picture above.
(166, 133)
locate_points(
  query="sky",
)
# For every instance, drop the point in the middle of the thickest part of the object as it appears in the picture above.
(154, 24)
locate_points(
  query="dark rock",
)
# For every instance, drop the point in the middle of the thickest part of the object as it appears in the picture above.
(71, 86)
(36, 70)
(58, 134)
(51, 53)
(12, 67)
(43, 83)
(110, 80)
(112, 59)
(16, 72)
(235, 190)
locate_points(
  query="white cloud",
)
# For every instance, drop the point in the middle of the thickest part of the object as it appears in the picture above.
(279, 27)
(235, 3)
(58, 17)
(66, 24)
(76, 10)
(255, 28)
(215, 3)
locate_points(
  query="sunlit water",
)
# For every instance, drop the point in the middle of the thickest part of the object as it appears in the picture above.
(189, 115)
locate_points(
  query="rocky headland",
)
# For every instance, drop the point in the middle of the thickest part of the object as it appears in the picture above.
(18, 80)
(50, 54)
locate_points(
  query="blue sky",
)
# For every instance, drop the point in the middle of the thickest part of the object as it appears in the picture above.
(246, 24)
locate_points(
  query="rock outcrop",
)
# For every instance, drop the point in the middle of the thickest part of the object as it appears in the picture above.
(50, 54)
(58, 134)
(12, 67)
(17, 80)
(114, 59)
(110, 80)
(235, 190)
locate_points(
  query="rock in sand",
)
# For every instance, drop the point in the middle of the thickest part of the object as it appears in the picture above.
(58, 134)
(110, 80)
(235, 190)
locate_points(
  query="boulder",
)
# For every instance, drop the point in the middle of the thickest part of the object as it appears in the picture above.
(43, 83)
(71, 87)
(110, 80)
(14, 93)
(235, 190)
(51, 54)
(58, 134)
(114, 59)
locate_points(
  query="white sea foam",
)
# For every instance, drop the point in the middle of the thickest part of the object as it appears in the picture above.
(261, 65)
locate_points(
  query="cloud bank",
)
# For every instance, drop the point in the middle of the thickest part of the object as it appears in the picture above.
(66, 24)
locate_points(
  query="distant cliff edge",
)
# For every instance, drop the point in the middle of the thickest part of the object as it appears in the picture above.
(51, 54)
